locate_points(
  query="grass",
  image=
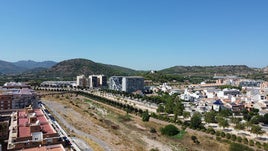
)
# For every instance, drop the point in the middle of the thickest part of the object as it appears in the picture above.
(124, 118)
(180, 134)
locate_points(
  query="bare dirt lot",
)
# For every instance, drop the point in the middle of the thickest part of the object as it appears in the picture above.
(121, 131)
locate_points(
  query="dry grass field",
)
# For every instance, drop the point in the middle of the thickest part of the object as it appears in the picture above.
(121, 131)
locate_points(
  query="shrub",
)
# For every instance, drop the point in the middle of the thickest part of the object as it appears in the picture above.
(239, 139)
(218, 133)
(152, 130)
(154, 149)
(239, 147)
(218, 138)
(265, 146)
(228, 136)
(195, 140)
(258, 144)
(251, 143)
(222, 134)
(145, 116)
(169, 130)
(233, 138)
(245, 140)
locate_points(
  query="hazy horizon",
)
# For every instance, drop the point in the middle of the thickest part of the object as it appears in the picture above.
(142, 35)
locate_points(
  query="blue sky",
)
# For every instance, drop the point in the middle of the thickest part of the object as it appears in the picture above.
(140, 34)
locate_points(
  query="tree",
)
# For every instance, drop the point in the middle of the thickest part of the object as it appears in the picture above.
(186, 114)
(240, 126)
(169, 130)
(196, 121)
(145, 116)
(222, 122)
(255, 119)
(235, 120)
(256, 129)
(210, 117)
(169, 106)
(265, 118)
(225, 112)
(160, 108)
(179, 107)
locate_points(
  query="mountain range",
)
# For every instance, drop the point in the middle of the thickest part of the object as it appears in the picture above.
(23, 66)
(73, 67)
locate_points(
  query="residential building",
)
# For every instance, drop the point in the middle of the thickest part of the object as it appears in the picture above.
(102, 80)
(4, 126)
(57, 147)
(93, 81)
(30, 128)
(17, 98)
(217, 105)
(82, 81)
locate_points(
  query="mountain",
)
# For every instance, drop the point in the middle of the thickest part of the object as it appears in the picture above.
(210, 70)
(74, 67)
(29, 64)
(10, 68)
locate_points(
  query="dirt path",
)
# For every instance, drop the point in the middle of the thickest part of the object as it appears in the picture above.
(55, 107)
(101, 121)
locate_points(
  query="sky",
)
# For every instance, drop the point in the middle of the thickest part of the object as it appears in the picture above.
(139, 34)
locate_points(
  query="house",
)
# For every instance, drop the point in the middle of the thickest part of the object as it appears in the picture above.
(217, 105)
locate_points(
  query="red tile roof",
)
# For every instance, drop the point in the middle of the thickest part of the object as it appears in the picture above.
(24, 129)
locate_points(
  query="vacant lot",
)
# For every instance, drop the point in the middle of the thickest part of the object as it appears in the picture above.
(122, 131)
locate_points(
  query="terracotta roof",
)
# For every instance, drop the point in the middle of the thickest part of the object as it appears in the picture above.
(24, 131)
(46, 148)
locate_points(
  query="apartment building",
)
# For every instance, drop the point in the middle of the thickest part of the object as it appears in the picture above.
(16, 98)
(30, 128)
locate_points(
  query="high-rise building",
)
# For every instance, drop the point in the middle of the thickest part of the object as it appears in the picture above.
(132, 84)
(127, 84)
(115, 83)
(102, 80)
(93, 81)
(82, 81)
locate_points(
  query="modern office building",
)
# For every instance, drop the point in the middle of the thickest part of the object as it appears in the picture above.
(132, 84)
(127, 84)
(115, 83)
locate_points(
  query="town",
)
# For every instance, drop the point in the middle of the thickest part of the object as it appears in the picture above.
(229, 107)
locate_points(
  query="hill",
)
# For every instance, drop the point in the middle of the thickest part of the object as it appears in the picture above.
(71, 68)
(29, 64)
(209, 70)
(10, 68)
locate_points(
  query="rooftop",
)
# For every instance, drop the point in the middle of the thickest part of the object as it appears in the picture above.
(24, 125)
(46, 148)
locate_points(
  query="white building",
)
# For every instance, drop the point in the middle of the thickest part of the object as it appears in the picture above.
(82, 81)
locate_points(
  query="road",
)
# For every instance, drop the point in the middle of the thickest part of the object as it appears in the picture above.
(72, 128)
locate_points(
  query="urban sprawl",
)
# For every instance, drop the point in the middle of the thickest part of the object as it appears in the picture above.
(229, 105)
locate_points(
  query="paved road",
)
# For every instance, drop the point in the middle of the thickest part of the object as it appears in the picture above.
(72, 128)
